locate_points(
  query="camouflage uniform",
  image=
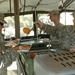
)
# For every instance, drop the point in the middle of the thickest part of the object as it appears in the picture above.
(69, 37)
(61, 36)
(7, 55)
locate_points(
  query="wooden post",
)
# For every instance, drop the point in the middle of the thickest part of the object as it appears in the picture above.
(16, 18)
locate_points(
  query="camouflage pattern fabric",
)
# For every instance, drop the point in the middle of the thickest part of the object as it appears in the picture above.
(61, 36)
(7, 56)
(69, 37)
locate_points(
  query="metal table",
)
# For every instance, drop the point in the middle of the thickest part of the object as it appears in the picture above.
(59, 63)
(48, 62)
(27, 62)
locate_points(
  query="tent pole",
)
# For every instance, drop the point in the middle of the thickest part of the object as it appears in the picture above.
(16, 18)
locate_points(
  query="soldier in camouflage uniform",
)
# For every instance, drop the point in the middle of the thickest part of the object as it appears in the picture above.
(55, 32)
(7, 55)
(60, 35)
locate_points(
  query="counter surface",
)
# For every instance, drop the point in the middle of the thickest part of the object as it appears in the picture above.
(59, 63)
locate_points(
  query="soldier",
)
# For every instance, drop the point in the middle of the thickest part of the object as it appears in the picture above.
(54, 16)
(61, 36)
(7, 54)
(55, 32)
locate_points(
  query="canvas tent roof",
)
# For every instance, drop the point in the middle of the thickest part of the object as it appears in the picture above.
(7, 6)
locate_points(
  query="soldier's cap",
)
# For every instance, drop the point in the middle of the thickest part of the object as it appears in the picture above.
(73, 14)
(53, 12)
(2, 18)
